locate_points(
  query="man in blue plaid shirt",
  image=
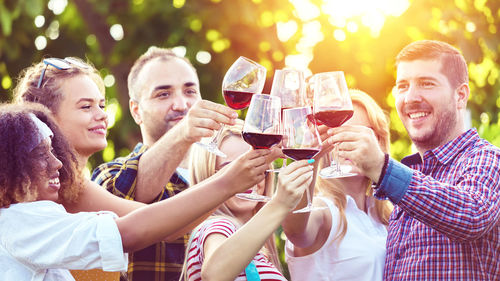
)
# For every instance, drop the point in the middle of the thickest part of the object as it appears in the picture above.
(445, 225)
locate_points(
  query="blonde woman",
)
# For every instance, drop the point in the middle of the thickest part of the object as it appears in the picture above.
(345, 240)
(237, 242)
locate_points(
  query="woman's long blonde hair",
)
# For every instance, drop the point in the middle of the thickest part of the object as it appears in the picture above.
(379, 123)
(202, 166)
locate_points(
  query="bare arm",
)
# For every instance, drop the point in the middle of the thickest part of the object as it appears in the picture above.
(220, 261)
(303, 229)
(95, 198)
(160, 161)
(156, 221)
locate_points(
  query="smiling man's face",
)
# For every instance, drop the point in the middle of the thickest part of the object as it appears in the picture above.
(426, 103)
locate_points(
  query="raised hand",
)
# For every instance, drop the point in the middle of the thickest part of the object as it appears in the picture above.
(360, 145)
(292, 182)
(204, 118)
(248, 169)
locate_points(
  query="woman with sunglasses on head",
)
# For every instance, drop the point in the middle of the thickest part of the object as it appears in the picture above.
(237, 241)
(74, 91)
(346, 239)
(40, 240)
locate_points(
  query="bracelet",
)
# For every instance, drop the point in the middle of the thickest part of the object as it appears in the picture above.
(382, 173)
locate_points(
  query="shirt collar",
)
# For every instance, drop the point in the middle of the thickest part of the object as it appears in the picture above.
(445, 152)
(176, 178)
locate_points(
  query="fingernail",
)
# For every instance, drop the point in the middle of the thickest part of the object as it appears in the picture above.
(310, 161)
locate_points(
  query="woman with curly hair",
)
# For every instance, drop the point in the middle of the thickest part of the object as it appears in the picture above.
(41, 241)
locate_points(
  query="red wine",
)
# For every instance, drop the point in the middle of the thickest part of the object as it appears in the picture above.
(311, 118)
(333, 118)
(237, 99)
(300, 153)
(282, 111)
(258, 140)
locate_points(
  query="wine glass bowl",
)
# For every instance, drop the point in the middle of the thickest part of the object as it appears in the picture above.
(243, 79)
(332, 107)
(289, 86)
(301, 140)
(262, 130)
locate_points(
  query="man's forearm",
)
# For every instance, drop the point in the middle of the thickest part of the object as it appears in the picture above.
(159, 163)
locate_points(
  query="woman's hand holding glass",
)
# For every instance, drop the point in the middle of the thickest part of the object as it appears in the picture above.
(301, 140)
(293, 181)
(262, 130)
(247, 170)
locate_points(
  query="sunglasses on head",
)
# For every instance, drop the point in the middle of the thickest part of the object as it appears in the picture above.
(61, 64)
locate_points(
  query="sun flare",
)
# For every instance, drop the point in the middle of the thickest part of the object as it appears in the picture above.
(345, 16)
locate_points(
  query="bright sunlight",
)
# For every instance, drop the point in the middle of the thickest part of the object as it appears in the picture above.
(345, 16)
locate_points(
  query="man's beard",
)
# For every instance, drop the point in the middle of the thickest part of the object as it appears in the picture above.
(438, 133)
(171, 116)
(158, 130)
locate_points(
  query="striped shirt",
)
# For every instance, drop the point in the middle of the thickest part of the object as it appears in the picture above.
(445, 225)
(267, 271)
(161, 261)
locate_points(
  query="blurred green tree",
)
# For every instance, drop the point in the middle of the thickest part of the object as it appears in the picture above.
(323, 35)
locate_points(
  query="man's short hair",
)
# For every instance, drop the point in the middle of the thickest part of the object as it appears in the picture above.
(453, 64)
(134, 86)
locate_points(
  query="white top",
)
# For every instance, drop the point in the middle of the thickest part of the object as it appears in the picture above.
(266, 270)
(360, 255)
(41, 241)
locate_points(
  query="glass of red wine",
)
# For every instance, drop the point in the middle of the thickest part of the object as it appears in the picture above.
(332, 107)
(262, 130)
(301, 141)
(242, 80)
(289, 86)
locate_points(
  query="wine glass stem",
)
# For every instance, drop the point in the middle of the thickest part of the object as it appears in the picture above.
(215, 139)
(309, 203)
(336, 158)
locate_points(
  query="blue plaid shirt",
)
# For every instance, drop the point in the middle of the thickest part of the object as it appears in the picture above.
(445, 225)
(162, 261)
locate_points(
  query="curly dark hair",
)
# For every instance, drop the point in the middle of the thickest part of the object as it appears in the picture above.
(18, 132)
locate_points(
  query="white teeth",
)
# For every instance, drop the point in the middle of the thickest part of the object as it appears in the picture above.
(418, 115)
(54, 181)
(98, 130)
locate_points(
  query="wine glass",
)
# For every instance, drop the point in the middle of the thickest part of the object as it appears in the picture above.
(332, 107)
(262, 130)
(300, 141)
(289, 86)
(242, 80)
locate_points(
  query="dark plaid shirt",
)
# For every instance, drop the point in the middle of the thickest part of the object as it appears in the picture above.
(159, 262)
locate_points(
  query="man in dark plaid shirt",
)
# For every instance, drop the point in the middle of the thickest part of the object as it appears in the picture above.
(445, 225)
(162, 88)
